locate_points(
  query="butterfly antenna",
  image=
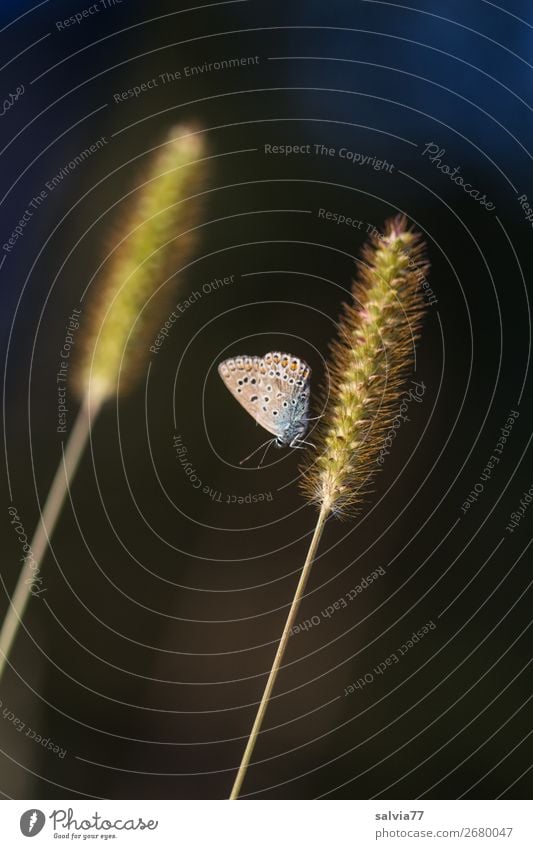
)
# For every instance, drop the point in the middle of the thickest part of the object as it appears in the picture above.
(267, 443)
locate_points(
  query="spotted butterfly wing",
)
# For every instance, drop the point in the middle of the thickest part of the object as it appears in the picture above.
(274, 389)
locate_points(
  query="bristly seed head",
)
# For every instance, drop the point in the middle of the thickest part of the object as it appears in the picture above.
(131, 298)
(369, 362)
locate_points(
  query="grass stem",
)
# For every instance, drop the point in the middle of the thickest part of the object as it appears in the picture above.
(298, 595)
(41, 539)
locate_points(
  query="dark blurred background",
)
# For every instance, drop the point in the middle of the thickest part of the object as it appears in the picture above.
(146, 657)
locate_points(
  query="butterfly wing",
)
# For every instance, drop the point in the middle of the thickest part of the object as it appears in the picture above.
(273, 389)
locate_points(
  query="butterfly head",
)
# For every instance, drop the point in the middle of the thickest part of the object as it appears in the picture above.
(293, 433)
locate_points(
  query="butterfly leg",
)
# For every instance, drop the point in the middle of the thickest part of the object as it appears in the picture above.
(299, 443)
(267, 443)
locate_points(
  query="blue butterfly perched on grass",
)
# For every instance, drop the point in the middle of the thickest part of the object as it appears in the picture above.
(274, 390)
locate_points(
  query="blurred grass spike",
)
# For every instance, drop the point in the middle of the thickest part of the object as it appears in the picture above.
(369, 361)
(128, 303)
(135, 285)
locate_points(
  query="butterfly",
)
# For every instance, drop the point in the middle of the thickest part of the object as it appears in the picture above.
(275, 390)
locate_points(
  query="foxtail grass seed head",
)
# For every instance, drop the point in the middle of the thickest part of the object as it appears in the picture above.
(369, 361)
(132, 294)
